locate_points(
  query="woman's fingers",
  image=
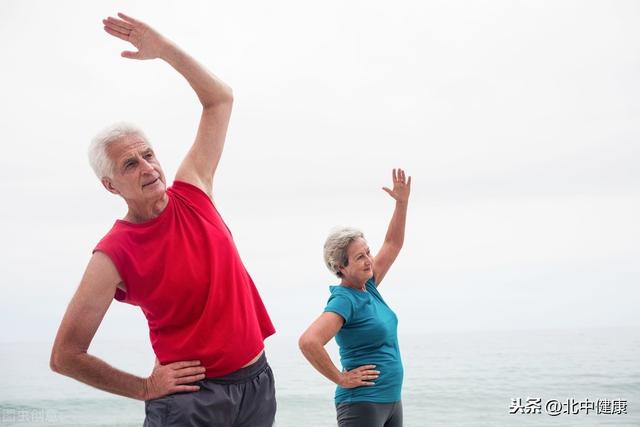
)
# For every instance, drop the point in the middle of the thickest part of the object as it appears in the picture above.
(364, 367)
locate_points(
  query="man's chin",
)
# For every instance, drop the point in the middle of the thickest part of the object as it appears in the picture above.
(156, 186)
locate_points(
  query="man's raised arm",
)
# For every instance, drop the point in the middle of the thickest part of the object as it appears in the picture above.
(200, 163)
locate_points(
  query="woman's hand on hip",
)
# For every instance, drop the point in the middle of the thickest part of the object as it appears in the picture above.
(360, 376)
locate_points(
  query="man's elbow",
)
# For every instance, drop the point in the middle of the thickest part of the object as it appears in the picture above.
(222, 99)
(229, 94)
(55, 362)
(59, 361)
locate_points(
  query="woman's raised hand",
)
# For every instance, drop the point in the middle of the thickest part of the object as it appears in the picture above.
(401, 186)
(148, 41)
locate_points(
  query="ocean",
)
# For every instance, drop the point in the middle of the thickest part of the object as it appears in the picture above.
(587, 377)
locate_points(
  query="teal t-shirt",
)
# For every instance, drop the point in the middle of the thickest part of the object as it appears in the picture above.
(369, 336)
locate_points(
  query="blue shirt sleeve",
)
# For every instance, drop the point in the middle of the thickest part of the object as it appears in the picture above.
(341, 305)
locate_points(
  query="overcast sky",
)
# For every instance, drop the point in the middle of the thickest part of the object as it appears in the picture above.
(518, 121)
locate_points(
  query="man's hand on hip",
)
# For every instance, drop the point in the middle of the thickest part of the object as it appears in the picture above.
(173, 378)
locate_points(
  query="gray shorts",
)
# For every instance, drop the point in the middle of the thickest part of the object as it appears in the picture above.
(369, 414)
(244, 398)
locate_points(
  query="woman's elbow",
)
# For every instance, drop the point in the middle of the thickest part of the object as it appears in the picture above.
(306, 343)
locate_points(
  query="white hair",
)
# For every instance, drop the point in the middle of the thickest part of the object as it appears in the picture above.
(99, 160)
(335, 248)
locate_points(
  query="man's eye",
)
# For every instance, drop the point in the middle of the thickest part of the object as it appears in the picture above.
(148, 156)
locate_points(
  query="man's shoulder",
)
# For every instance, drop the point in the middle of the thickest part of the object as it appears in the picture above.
(189, 189)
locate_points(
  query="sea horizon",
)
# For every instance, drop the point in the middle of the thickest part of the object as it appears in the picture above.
(470, 378)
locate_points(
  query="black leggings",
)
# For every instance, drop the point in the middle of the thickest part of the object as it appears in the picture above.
(367, 414)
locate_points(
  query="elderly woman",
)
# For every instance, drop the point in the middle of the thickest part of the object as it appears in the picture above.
(369, 386)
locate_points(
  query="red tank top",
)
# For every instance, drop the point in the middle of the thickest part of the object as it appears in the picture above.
(183, 269)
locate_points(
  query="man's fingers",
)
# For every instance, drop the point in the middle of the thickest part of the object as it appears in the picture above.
(116, 34)
(184, 372)
(184, 364)
(388, 190)
(129, 54)
(120, 23)
(190, 379)
(409, 182)
(128, 18)
(115, 28)
(184, 388)
(393, 175)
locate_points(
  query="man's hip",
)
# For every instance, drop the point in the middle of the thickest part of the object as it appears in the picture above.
(244, 398)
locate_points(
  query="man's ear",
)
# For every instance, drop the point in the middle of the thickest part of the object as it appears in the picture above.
(106, 182)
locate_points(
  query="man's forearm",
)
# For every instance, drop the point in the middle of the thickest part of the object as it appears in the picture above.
(210, 90)
(97, 373)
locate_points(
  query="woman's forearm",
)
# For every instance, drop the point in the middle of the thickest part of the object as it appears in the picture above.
(395, 231)
(317, 355)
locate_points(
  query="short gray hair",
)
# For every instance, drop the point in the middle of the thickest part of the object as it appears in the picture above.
(335, 248)
(99, 160)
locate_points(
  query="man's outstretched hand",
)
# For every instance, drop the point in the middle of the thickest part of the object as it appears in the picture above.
(149, 42)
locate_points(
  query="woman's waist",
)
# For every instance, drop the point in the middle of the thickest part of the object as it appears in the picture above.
(388, 358)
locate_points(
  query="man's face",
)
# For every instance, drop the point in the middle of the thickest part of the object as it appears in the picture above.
(137, 175)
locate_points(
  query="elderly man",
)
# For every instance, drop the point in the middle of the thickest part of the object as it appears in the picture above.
(173, 256)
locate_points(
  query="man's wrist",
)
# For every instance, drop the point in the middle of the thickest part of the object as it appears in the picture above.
(144, 389)
(169, 51)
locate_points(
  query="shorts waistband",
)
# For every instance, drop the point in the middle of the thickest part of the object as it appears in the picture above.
(242, 374)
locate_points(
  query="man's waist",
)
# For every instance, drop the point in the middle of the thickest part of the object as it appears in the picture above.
(247, 372)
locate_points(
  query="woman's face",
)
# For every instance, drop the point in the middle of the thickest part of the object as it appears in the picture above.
(360, 267)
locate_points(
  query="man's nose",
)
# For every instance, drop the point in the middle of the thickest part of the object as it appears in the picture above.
(146, 166)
